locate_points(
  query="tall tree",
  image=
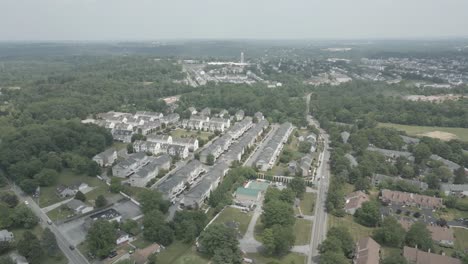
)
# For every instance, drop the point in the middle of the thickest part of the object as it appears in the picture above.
(80, 196)
(298, 185)
(219, 237)
(30, 247)
(460, 176)
(49, 243)
(101, 238)
(419, 236)
(368, 214)
(390, 233)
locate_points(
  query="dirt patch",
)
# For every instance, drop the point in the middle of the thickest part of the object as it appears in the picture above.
(446, 136)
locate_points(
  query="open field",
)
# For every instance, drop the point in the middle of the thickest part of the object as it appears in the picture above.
(236, 215)
(308, 203)
(302, 230)
(192, 133)
(461, 238)
(357, 231)
(288, 259)
(180, 253)
(48, 195)
(444, 133)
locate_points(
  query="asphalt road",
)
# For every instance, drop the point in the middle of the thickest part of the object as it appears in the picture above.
(73, 256)
(319, 230)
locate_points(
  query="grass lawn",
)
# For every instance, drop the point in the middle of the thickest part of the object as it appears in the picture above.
(461, 238)
(451, 214)
(119, 145)
(460, 133)
(357, 231)
(302, 230)
(387, 251)
(48, 195)
(141, 243)
(184, 133)
(60, 213)
(308, 203)
(234, 214)
(288, 259)
(180, 253)
(258, 230)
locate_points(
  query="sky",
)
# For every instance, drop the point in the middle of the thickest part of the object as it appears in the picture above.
(101, 20)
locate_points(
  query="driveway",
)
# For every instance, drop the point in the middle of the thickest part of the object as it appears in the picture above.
(248, 243)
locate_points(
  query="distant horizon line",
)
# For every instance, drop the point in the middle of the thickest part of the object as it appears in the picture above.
(416, 38)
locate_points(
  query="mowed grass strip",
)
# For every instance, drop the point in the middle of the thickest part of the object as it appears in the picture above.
(356, 230)
(307, 203)
(287, 259)
(233, 214)
(459, 132)
(302, 231)
(180, 253)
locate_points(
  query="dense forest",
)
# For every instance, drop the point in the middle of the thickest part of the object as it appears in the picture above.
(353, 102)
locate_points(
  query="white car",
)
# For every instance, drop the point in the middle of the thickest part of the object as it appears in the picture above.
(26, 202)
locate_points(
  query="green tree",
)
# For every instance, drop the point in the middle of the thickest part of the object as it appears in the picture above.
(298, 186)
(80, 196)
(368, 214)
(226, 255)
(210, 159)
(390, 233)
(30, 247)
(362, 184)
(460, 176)
(49, 243)
(101, 201)
(284, 239)
(101, 238)
(304, 146)
(115, 185)
(419, 236)
(23, 217)
(277, 212)
(47, 177)
(268, 240)
(331, 257)
(421, 152)
(347, 242)
(130, 226)
(153, 200)
(5, 246)
(155, 228)
(394, 258)
(218, 237)
(9, 199)
(6, 260)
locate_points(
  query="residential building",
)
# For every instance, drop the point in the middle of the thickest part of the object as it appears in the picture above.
(153, 115)
(454, 189)
(392, 154)
(192, 110)
(170, 118)
(380, 178)
(106, 158)
(205, 111)
(273, 148)
(411, 199)
(18, 259)
(173, 185)
(78, 207)
(354, 201)
(6, 235)
(415, 256)
(190, 143)
(129, 166)
(240, 115)
(122, 237)
(69, 191)
(306, 162)
(223, 113)
(124, 136)
(259, 116)
(195, 197)
(367, 251)
(441, 235)
(150, 171)
(216, 148)
(162, 139)
(450, 164)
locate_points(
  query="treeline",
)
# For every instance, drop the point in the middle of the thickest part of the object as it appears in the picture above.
(354, 101)
(33, 155)
(278, 104)
(71, 87)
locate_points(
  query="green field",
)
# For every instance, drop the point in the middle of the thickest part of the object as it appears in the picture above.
(460, 133)
(236, 215)
(180, 253)
(192, 133)
(288, 259)
(302, 230)
(461, 238)
(357, 231)
(308, 203)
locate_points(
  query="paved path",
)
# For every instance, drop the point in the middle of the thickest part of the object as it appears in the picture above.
(304, 249)
(248, 243)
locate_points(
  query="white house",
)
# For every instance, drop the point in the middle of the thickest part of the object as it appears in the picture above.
(106, 158)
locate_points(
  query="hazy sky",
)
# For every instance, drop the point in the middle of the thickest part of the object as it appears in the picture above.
(254, 19)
